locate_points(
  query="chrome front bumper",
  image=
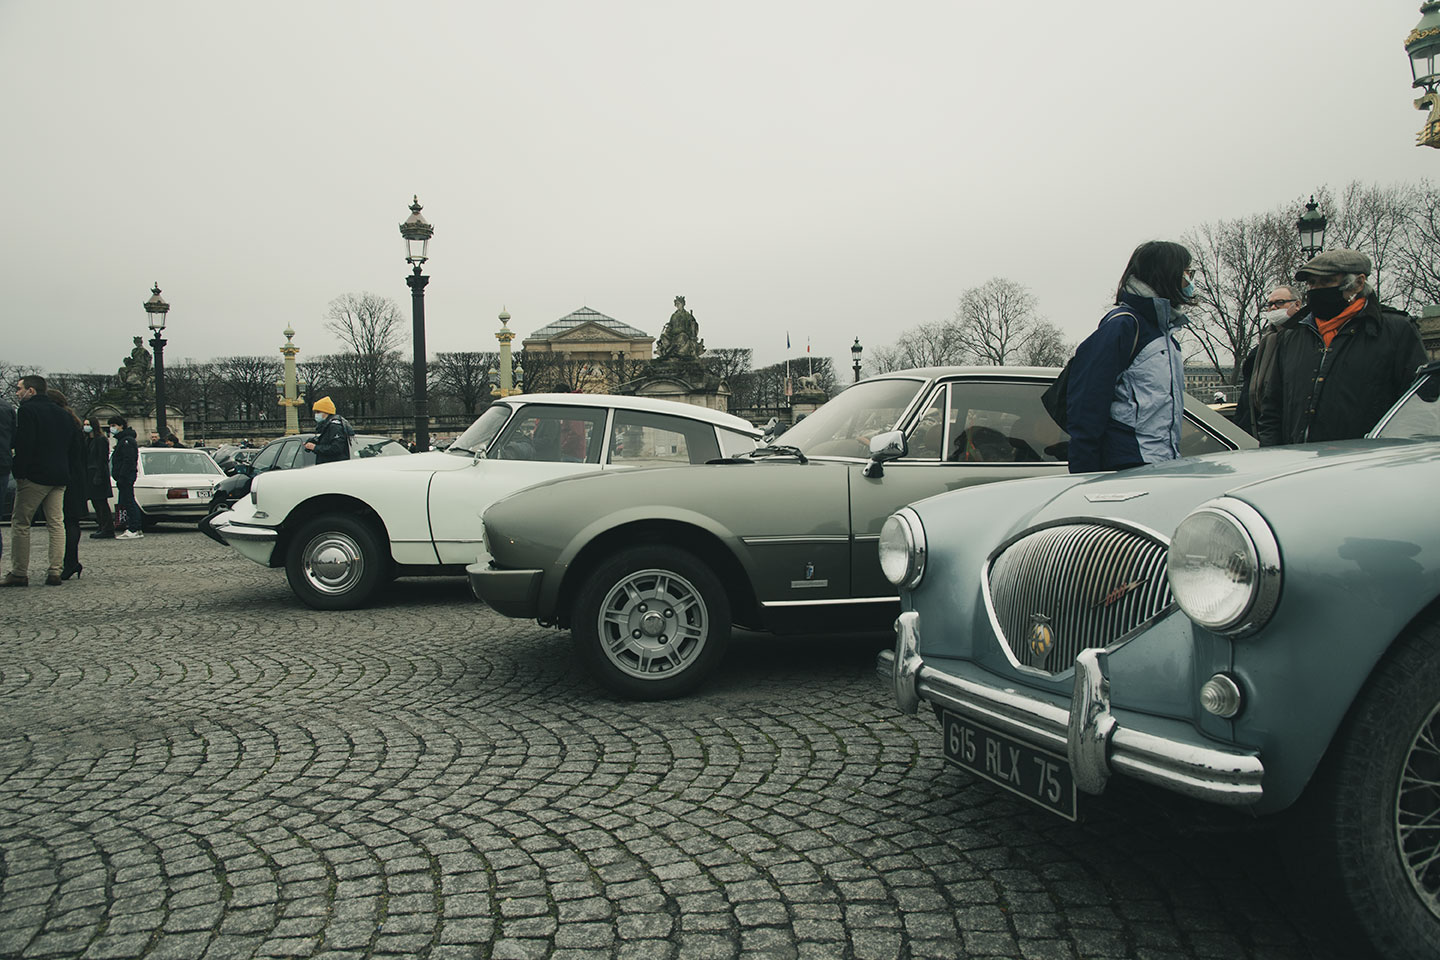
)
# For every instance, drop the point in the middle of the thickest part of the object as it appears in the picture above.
(252, 542)
(1088, 734)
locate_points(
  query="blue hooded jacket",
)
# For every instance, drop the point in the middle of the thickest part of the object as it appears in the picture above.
(1124, 413)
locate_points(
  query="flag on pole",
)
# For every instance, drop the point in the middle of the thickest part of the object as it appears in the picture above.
(787, 339)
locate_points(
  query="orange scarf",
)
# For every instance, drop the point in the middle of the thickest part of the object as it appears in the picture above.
(1328, 328)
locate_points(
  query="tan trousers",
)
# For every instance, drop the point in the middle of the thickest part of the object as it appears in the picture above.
(28, 496)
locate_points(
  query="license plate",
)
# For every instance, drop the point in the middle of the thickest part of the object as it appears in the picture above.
(199, 494)
(1037, 775)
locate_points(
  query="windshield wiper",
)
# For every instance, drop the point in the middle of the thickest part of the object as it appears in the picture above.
(782, 450)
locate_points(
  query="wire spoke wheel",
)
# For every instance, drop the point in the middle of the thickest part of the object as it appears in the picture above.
(1417, 812)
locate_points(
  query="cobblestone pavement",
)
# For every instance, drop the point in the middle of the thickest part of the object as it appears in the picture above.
(193, 765)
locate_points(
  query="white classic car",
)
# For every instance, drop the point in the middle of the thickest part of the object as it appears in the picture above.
(339, 529)
(175, 483)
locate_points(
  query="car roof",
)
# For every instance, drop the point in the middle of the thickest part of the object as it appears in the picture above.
(933, 373)
(646, 404)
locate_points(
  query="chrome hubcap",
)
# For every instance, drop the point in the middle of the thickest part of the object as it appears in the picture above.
(1417, 812)
(653, 623)
(333, 562)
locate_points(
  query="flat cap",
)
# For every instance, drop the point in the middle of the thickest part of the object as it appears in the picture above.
(1333, 262)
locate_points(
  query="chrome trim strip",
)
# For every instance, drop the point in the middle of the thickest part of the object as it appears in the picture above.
(828, 603)
(231, 530)
(1229, 776)
(822, 539)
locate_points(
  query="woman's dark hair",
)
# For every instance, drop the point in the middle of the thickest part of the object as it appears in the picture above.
(1158, 264)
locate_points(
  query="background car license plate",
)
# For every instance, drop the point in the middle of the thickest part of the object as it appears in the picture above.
(1037, 775)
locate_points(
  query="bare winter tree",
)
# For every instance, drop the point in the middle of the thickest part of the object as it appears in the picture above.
(995, 321)
(1238, 262)
(373, 329)
(1419, 261)
(248, 384)
(930, 344)
(727, 363)
(1046, 346)
(462, 377)
(1376, 221)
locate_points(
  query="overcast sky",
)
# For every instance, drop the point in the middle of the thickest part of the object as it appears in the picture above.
(832, 169)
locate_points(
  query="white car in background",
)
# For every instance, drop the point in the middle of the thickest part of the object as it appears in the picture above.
(175, 483)
(341, 529)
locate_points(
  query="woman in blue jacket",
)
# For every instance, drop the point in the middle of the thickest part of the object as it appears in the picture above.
(1126, 399)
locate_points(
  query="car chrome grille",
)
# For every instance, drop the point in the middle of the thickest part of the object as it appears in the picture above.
(1069, 587)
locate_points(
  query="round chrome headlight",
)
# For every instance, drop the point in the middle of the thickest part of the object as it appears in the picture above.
(902, 549)
(1224, 567)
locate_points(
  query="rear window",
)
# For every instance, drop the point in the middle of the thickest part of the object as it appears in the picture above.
(156, 462)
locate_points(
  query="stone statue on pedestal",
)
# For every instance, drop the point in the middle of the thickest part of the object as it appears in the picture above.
(680, 340)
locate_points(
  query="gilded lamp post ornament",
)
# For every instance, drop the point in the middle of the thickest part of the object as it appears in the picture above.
(288, 390)
(1422, 45)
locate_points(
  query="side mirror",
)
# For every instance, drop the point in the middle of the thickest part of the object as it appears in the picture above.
(884, 447)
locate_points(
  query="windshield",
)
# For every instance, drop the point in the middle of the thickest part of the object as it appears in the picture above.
(843, 426)
(177, 461)
(477, 438)
(1417, 417)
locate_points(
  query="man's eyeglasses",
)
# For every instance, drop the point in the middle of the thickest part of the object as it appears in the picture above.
(1278, 304)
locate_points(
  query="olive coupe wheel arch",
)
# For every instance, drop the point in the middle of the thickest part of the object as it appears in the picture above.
(651, 623)
(335, 562)
(1370, 833)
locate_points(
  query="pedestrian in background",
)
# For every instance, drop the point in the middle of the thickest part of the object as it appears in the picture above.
(125, 468)
(1282, 304)
(73, 503)
(332, 443)
(1342, 362)
(1126, 397)
(7, 438)
(97, 478)
(44, 434)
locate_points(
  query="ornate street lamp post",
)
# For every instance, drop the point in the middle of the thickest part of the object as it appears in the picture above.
(1423, 46)
(509, 379)
(855, 351)
(417, 233)
(155, 310)
(288, 390)
(1311, 226)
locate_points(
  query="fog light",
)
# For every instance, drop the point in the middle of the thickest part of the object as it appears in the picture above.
(1220, 695)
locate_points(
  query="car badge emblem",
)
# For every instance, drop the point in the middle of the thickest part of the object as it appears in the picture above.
(1115, 497)
(1042, 636)
(1111, 598)
(809, 571)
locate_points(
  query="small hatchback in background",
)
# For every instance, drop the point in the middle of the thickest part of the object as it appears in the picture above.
(175, 484)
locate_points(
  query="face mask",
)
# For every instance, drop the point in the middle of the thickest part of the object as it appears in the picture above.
(89, 429)
(114, 431)
(1188, 291)
(1326, 302)
(1274, 317)
(319, 418)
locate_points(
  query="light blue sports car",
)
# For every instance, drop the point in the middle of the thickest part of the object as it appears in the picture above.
(1259, 629)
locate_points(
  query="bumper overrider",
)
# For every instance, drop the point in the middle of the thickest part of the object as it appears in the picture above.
(514, 593)
(1088, 734)
(254, 542)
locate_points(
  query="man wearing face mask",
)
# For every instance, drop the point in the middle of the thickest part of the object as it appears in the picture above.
(332, 443)
(1282, 304)
(125, 468)
(1342, 362)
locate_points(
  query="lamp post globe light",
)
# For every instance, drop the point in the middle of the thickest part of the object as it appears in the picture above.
(1423, 47)
(417, 233)
(1311, 227)
(855, 351)
(155, 310)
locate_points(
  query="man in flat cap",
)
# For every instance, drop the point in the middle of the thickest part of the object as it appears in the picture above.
(1342, 361)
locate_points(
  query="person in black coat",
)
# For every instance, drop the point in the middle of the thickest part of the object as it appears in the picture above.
(7, 437)
(44, 434)
(97, 478)
(75, 490)
(125, 468)
(332, 442)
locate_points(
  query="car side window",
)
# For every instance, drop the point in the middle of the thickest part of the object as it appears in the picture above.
(927, 437)
(286, 460)
(656, 440)
(733, 444)
(556, 434)
(267, 457)
(1002, 422)
(1195, 441)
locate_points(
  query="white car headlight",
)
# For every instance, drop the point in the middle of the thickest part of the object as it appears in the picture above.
(1224, 567)
(902, 549)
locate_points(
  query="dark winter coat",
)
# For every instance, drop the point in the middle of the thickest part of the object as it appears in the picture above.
(77, 489)
(97, 468)
(332, 443)
(1338, 393)
(7, 435)
(125, 459)
(44, 432)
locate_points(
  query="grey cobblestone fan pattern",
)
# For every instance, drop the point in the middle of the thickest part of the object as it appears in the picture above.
(193, 765)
